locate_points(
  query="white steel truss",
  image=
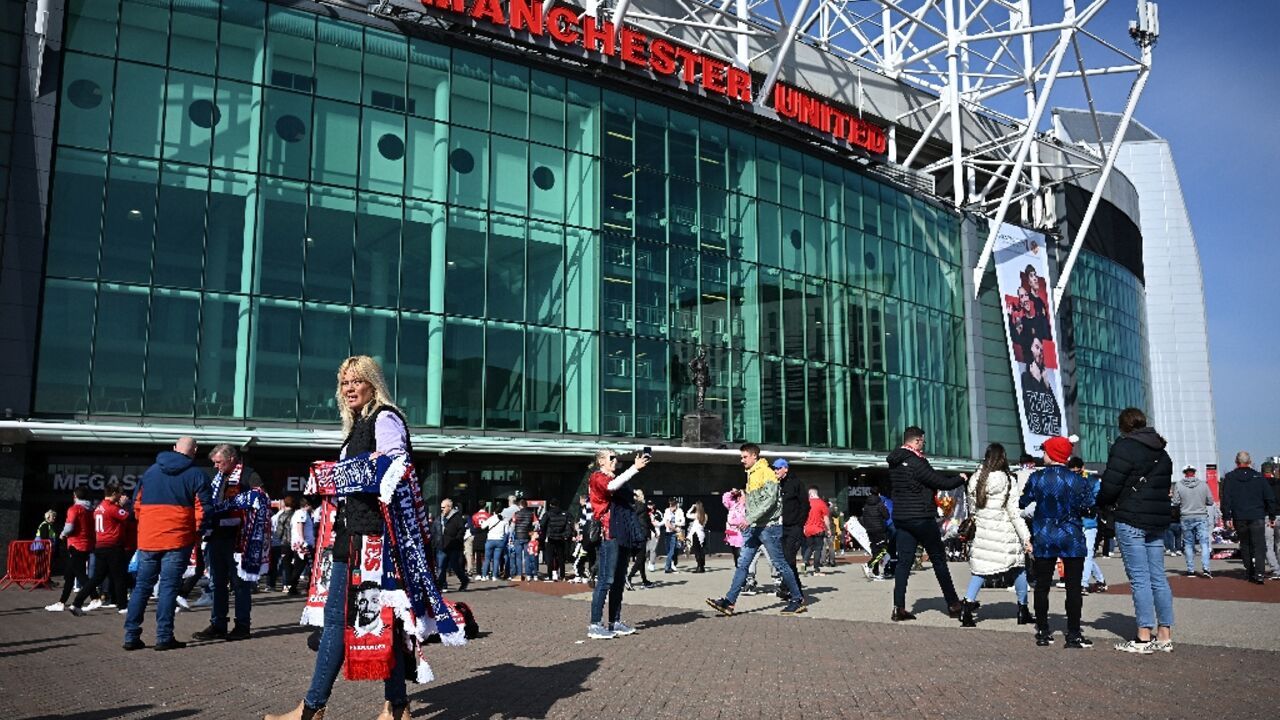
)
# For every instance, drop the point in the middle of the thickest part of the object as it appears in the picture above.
(984, 72)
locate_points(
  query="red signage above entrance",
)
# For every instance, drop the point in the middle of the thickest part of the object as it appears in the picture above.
(567, 27)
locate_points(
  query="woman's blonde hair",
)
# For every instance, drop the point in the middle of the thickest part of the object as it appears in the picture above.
(601, 455)
(367, 369)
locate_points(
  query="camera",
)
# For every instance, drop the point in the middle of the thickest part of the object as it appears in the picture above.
(647, 451)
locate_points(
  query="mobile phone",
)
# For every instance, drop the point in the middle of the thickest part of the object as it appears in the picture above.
(647, 451)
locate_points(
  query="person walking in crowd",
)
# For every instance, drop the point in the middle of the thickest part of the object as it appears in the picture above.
(795, 511)
(557, 529)
(1248, 507)
(644, 511)
(479, 539)
(764, 528)
(111, 521)
(301, 545)
(817, 528)
(164, 502)
(78, 534)
(1001, 539)
(1061, 499)
(1272, 533)
(1137, 482)
(281, 522)
(446, 536)
(523, 525)
(1193, 499)
(915, 518)
(696, 530)
(495, 546)
(617, 539)
(1089, 523)
(374, 425)
(875, 520)
(835, 543)
(735, 502)
(673, 531)
(225, 538)
(651, 547)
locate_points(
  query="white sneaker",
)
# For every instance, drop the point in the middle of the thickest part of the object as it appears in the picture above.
(94, 604)
(109, 606)
(1138, 647)
(56, 607)
(123, 611)
(650, 566)
(182, 603)
(598, 631)
(205, 600)
(621, 628)
(1162, 646)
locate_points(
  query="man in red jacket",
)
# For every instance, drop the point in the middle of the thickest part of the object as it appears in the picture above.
(78, 533)
(110, 521)
(816, 530)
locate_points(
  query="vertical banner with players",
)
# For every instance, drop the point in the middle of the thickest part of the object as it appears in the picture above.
(1022, 271)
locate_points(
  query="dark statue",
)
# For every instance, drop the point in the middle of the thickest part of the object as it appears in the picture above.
(699, 370)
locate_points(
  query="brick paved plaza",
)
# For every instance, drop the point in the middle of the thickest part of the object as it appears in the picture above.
(842, 659)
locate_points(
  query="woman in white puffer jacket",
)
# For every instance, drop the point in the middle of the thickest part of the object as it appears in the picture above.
(1001, 540)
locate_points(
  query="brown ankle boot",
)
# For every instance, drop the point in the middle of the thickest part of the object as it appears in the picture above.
(394, 712)
(302, 712)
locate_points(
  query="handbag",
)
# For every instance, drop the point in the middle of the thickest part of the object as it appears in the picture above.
(967, 528)
(595, 533)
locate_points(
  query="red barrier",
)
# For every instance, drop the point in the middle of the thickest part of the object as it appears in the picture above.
(29, 562)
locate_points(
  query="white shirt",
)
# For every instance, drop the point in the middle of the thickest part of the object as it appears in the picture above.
(673, 519)
(303, 528)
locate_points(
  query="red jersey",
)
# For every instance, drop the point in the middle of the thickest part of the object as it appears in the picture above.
(81, 521)
(111, 522)
(600, 496)
(816, 524)
(478, 519)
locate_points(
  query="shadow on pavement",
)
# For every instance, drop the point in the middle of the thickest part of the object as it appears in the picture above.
(34, 650)
(1122, 625)
(99, 713)
(507, 691)
(44, 640)
(683, 618)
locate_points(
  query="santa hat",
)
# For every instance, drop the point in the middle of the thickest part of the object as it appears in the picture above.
(1058, 449)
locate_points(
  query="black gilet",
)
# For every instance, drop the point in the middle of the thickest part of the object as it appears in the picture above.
(361, 514)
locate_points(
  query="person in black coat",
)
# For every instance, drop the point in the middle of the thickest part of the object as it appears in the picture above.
(1248, 507)
(446, 539)
(795, 510)
(557, 529)
(915, 516)
(875, 520)
(1137, 482)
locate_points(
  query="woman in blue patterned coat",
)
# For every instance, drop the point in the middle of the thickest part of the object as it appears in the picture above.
(1061, 499)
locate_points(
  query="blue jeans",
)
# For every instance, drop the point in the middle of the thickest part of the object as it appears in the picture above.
(222, 570)
(611, 569)
(333, 649)
(1091, 569)
(1196, 529)
(447, 560)
(168, 566)
(1143, 555)
(1019, 586)
(493, 552)
(1173, 537)
(672, 546)
(770, 537)
(522, 563)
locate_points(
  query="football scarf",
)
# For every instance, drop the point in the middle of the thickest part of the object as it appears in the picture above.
(370, 623)
(320, 482)
(253, 546)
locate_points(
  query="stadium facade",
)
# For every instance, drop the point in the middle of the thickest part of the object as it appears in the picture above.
(533, 218)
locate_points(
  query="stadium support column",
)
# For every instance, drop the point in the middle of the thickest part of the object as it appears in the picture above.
(436, 272)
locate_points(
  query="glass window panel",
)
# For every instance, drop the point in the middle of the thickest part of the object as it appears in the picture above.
(76, 214)
(339, 47)
(510, 99)
(469, 165)
(382, 151)
(85, 107)
(422, 268)
(650, 301)
(465, 263)
(682, 216)
(91, 26)
(582, 188)
(428, 159)
(582, 109)
(581, 380)
(617, 385)
(62, 375)
(870, 206)
(620, 112)
(771, 400)
(193, 35)
(547, 191)
(792, 240)
(789, 178)
(856, 330)
(237, 134)
(510, 176)
(859, 428)
(469, 97)
(373, 333)
(329, 242)
(223, 360)
(325, 335)
(428, 79)
(815, 251)
(179, 250)
(812, 185)
(873, 262)
(817, 324)
(713, 214)
(880, 432)
(892, 267)
(281, 238)
(544, 299)
(875, 333)
(771, 311)
(377, 260)
(291, 46)
(544, 380)
(233, 208)
(893, 340)
(683, 293)
(651, 205)
(505, 268)
(171, 352)
(286, 134)
(128, 220)
(277, 338)
(119, 348)
(655, 391)
(770, 234)
(413, 364)
(139, 105)
(793, 318)
(241, 39)
(504, 377)
(189, 118)
(546, 108)
(385, 70)
(336, 142)
(817, 409)
(619, 197)
(144, 30)
(582, 273)
(713, 154)
(651, 125)
(767, 170)
(462, 384)
(855, 260)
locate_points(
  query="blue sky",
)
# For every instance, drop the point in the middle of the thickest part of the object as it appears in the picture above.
(1213, 96)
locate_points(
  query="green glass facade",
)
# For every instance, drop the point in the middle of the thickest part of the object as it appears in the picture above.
(245, 194)
(1109, 336)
